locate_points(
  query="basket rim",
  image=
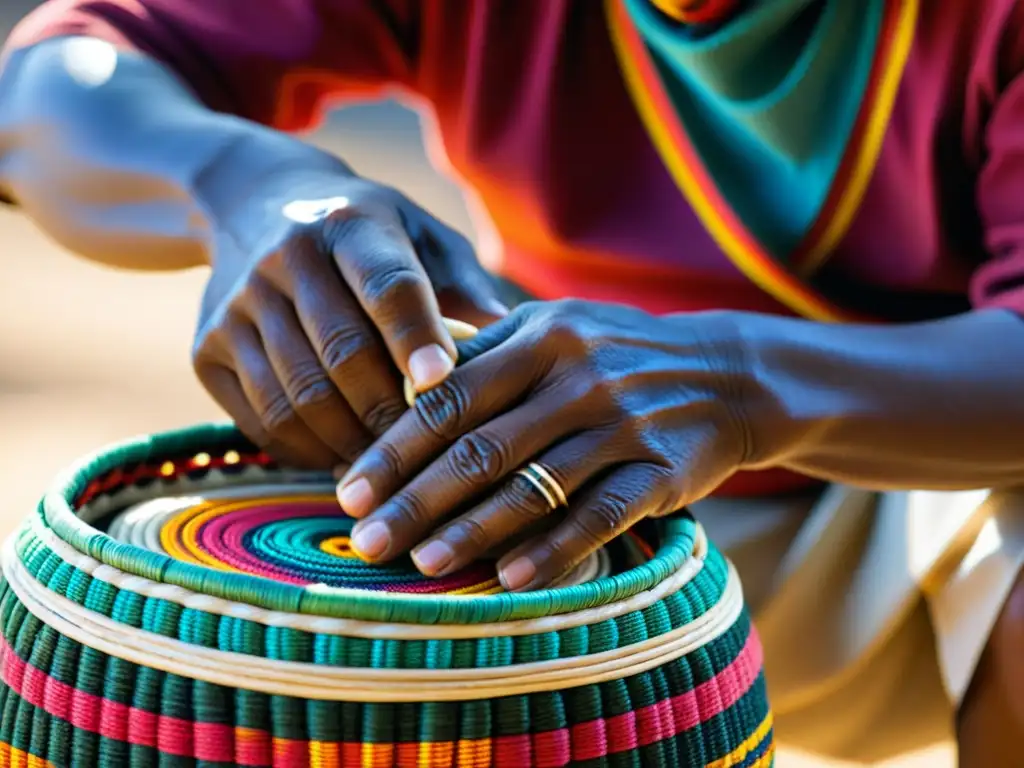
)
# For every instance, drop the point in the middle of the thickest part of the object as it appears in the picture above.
(368, 684)
(57, 513)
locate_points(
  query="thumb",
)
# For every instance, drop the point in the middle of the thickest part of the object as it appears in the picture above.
(470, 307)
(465, 290)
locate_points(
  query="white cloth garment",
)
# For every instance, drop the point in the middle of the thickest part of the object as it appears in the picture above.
(873, 608)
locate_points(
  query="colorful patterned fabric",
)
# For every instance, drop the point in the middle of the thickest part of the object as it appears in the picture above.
(696, 11)
(181, 601)
(775, 165)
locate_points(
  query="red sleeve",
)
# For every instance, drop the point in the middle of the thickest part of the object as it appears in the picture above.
(999, 282)
(271, 61)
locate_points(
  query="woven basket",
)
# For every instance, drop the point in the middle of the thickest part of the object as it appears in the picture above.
(178, 600)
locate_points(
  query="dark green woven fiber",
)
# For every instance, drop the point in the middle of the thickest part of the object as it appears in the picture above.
(57, 513)
(244, 636)
(43, 735)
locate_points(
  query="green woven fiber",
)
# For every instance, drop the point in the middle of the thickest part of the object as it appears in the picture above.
(57, 513)
(245, 636)
(63, 703)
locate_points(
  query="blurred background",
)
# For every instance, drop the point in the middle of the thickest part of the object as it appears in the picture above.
(89, 355)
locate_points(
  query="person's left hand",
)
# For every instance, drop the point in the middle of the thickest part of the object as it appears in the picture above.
(630, 414)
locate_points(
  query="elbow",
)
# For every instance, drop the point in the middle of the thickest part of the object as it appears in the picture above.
(79, 153)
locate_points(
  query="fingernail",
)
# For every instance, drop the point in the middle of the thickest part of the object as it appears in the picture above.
(518, 573)
(429, 366)
(432, 558)
(356, 497)
(371, 540)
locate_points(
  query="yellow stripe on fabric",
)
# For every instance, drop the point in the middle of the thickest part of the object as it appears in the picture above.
(16, 758)
(738, 246)
(339, 546)
(739, 754)
(324, 753)
(680, 171)
(378, 755)
(874, 134)
(489, 587)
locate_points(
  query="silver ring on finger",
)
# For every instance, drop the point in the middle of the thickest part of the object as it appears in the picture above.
(545, 484)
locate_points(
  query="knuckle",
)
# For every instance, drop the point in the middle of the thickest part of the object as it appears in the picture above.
(339, 224)
(258, 292)
(474, 533)
(409, 508)
(204, 355)
(235, 315)
(565, 335)
(342, 345)
(523, 499)
(388, 285)
(277, 414)
(272, 263)
(477, 459)
(584, 384)
(383, 415)
(308, 387)
(388, 460)
(444, 409)
(605, 519)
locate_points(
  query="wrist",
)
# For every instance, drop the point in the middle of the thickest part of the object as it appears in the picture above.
(243, 189)
(762, 369)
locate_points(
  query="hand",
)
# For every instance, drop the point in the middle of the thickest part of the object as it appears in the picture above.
(633, 416)
(326, 291)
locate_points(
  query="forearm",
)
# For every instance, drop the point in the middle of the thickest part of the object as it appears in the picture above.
(937, 405)
(119, 162)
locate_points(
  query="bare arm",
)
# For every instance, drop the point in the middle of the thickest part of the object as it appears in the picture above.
(118, 161)
(126, 126)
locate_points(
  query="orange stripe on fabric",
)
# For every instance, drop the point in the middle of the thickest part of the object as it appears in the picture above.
(378, 755)
(719, 220)
(474, 753)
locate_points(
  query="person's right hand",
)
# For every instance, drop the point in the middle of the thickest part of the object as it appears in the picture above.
(321, 299)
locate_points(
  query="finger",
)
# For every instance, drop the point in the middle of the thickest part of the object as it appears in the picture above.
(379, 263)
(489, 338)
(312, 394)
(463, 288)
(470, 396)
(519, 505)
(271, 403)
(459, 331)
(224, 387)
(348, 346)
(474, 464)
(605, 510)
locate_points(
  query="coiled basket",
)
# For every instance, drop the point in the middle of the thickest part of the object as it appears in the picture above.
(178, 600)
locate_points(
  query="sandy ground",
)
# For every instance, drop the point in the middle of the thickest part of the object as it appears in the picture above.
(89, 355)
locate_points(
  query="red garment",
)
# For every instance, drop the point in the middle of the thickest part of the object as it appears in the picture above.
(533, 114)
